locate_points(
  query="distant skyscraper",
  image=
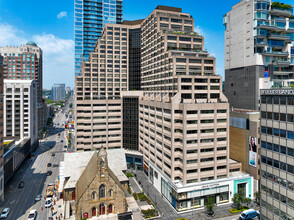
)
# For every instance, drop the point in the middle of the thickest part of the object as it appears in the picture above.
(90, 17)
(58, 92)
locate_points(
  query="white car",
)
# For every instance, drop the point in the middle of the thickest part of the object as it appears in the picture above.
(48, 203)
(33, 214)
(5, 213)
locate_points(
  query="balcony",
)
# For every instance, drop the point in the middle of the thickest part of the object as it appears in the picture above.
(281, 11)
(274, 36)
(282, 63)
(275, 53)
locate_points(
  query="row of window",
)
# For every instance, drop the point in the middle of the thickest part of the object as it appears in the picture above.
(277, 132)
(277, 100)
(277, 179)
(278, 148)
(278, 116)
(277, 164)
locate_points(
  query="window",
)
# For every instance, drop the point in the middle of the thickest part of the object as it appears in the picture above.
(94, 195)
(102, 191)
(110, 193)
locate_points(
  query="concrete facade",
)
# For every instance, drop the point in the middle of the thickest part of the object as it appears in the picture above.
(258, 47)
(20, 110)
(1, 133)
(277, 153)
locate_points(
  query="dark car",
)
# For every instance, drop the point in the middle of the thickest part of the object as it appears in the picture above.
(21, 184)
(49, 173)
(61, 141)
(53, 154)
(49, 164)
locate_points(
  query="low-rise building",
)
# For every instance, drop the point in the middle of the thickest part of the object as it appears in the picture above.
(94, 183)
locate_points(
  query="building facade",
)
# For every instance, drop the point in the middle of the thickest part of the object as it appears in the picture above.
(1, 133)
(20, 110)
(277, 153)
(99, 90)
(258, 50)
(90, 18)
(244, 144)
(100, 185)
(26, 63)
(183, 114)
(58, 92)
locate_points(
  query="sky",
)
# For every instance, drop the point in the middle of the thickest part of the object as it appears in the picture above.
(51, 25)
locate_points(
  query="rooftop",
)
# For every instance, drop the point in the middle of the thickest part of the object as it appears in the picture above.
(168, 8)
(75, 164)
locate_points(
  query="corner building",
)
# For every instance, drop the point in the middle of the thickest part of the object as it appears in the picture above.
(277, 154)
(183, 115)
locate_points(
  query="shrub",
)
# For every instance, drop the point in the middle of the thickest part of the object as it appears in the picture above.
(129, 190)
(149, 213)
(135, 196)
(181, 219)
(129, 175)
(235, 210)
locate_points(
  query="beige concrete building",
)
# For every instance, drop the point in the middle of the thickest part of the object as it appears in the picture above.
(1, 134)
(99, 90)
(184, 116)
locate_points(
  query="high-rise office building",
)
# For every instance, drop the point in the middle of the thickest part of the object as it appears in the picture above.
(26, 63)
(90, 18)
(277, 154)
(258, 50)
(20, 110)
(58, 92)
(99, 91)
(1, 133)
(181, 118)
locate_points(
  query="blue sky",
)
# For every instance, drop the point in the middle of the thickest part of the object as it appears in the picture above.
(50, 25)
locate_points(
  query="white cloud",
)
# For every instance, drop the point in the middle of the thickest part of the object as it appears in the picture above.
(11, 36)
(199, 30)
(58, 53)
(58, 59)
(62, 14)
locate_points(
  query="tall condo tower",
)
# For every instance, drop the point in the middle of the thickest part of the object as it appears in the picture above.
(258, 50)
(90, 18)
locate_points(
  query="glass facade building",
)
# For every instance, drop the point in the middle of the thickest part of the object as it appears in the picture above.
(90, 17)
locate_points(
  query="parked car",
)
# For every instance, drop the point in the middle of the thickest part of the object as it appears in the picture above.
(5, 213)
(48, 203)
(38, 197)
(53, 154)
(21, 184)
(61, 141)
(249, 214)
(49, 173)
(49, 164)
(33, 214)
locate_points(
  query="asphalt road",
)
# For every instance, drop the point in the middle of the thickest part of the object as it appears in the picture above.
(34, 174)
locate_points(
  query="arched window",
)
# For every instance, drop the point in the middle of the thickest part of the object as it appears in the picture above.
(110, 208)
(102, 191)
(94, 196)
(94, 212)
(110, 193)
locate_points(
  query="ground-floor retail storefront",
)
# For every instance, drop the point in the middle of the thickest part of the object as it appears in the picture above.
(194, 196)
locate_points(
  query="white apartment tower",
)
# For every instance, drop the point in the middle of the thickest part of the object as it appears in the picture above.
(20, 110)
(258, 50)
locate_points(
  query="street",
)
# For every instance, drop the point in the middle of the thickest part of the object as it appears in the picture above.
(33, 172)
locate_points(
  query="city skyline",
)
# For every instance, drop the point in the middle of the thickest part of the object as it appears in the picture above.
(55, 32)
